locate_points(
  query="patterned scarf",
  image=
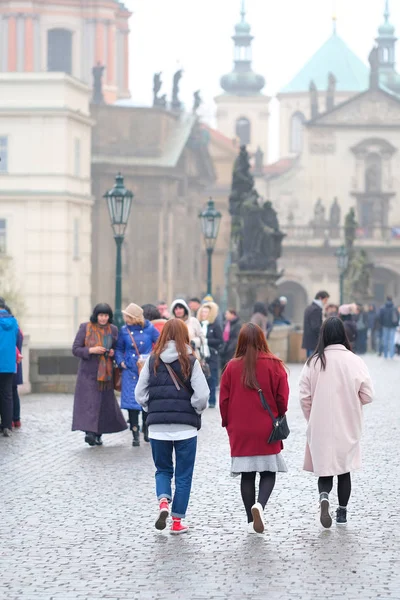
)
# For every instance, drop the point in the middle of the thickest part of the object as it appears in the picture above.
(96, 335)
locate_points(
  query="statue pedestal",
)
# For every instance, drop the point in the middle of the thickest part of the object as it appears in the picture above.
(255, 286)
(279, 341)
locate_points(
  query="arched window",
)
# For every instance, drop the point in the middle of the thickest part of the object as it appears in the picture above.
(373, 172)
(296, 132)
(243, 131)
(59, 50)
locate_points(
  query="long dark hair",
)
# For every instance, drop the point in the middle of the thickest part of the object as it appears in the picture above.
(176, 330)
(251, 343)
(332, 332)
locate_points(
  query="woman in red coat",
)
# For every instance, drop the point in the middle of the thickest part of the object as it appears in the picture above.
(248, 424)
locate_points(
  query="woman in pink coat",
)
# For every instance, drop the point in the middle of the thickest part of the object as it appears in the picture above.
(334, 385)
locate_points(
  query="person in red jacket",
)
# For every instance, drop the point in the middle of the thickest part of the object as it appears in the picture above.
(249, 426)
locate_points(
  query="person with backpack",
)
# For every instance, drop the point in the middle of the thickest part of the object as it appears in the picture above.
(389, 319)
(173, 391)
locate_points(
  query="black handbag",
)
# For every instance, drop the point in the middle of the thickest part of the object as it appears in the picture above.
(280, 429)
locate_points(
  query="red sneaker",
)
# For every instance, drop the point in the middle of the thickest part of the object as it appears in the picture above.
(17, 424)
(177, 527)
(161, 522)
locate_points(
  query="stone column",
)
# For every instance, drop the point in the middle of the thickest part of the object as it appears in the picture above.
(100, 42)
(29, 44)
(126, 61)
(12, 43)
(111, 55)
(37, 50)
(20, 42)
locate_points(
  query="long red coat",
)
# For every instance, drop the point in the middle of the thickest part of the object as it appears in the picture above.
(248, 424)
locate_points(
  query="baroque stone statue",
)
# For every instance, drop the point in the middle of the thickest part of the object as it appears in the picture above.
(350, 230)
(334, 218)
(176, 103)
(97, 73)
(314, 100)
(319, 214)
(197, 102)
(157, 85)
(261, 237)
(330, 96)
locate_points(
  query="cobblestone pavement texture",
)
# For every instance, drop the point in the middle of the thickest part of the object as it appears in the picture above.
(78, 522)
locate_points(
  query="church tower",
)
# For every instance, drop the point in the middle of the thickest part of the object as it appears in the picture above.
(242, 110)
(386, 41)
(71, 37)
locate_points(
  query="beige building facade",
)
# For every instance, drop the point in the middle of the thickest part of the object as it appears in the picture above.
(45, 199)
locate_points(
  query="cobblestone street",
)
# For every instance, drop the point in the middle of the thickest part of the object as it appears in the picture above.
(78, 522)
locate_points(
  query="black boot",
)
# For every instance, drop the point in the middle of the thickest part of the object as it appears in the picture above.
(145, 430)
(90, 438)
(98, 440)
(136, 437)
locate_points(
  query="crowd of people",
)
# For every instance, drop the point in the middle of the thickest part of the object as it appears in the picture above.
(166, 363)
(367, 327)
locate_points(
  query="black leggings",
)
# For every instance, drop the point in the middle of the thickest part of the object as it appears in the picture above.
(134, 418)
(248, 490)
(325, 484)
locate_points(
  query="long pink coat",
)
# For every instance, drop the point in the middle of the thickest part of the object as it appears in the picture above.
(332, 401)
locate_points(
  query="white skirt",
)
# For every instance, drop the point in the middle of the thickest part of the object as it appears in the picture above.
(258, 464)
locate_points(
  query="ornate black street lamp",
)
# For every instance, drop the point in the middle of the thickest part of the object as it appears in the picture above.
(342, 256)
(210, 221)
(119, 202)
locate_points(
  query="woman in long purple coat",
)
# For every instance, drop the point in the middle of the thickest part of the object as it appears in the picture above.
(96, 410)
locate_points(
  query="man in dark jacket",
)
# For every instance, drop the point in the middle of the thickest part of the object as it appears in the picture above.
(389, 320)
(313, 321)
(230, 335)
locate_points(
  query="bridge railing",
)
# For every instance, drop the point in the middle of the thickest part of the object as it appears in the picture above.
(309, 235)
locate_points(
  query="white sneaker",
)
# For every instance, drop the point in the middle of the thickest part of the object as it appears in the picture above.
(250, 528)
(258, 518)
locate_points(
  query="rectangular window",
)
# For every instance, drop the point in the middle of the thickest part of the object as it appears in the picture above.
(77, 158)
(3, 236)
(76, 248)
(3, 154)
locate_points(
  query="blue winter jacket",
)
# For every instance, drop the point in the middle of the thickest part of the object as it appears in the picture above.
(125, 352)
(8, 342)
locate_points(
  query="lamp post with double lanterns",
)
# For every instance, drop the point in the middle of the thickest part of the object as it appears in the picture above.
(342, 257)
(210, 222)
(119, 203)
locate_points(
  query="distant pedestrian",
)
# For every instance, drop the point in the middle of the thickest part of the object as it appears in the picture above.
(331, 310)
(313, 321)
(135, 342)
(18, 378)
(194, 305)
(230, 335)
(163, 309)
(180, 310)
(334, 386)
(152, 314)
(212, 331)
(248, 424)
(346, 315)
(389, 320)
(277, 309)
(361, 320)
(8, 366)
(174, 392)
(260, 318)
(397, 337)
(96, 410)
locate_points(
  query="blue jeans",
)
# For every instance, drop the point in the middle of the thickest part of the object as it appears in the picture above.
(185, 454)
(212, 384)
(388, 334)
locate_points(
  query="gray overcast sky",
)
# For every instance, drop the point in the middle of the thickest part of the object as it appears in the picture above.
(195, 34)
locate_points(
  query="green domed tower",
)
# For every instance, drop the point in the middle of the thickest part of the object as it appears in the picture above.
(242, 109)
